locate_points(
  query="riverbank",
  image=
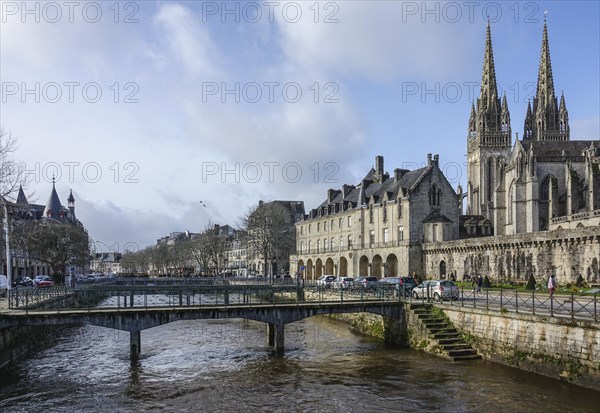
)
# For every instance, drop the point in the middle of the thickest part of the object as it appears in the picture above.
(562, 349)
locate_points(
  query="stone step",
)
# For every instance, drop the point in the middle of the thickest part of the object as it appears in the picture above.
(438, 332)
(443, 341)
(435, 324)
(443, 335)
(456, 346)
(463, 352)
(470, 357)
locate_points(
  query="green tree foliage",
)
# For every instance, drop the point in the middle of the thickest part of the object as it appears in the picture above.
(486, 282)
(580, 281)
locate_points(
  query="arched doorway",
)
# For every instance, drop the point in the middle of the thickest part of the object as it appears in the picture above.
(329, 270)
(391, 266)
(442, 269)
(343, 266)
(376, 266)
(363, 266)
(309, 270)
(299, 269)
(318, 268)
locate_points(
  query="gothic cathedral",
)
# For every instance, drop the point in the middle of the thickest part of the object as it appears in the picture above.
(545, 180)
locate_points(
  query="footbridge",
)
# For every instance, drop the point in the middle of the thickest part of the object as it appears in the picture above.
(135, 308)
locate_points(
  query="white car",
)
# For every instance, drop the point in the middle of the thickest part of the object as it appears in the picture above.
(3, 285)
(343, 282)
(436, 289)
(325, 280)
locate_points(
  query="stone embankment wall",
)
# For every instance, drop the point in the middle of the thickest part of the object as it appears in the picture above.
(17, 341)
(560, 348)
(567, 252)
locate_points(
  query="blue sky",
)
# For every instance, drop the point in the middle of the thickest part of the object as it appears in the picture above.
(375, 78)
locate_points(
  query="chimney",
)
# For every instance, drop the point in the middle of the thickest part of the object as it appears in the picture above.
(399, 173)
(347, 189)
(436, 160)
(330, 195)
(379, 166)
(428, 159)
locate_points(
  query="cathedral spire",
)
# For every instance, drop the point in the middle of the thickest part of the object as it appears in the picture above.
(489, 90)
(545, 82)
(548, 123)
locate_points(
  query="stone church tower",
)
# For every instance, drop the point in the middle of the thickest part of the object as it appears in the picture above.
(547, 121)
(488, 141)
(545, 180)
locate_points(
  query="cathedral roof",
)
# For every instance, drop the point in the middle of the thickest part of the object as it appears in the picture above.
(557, 148)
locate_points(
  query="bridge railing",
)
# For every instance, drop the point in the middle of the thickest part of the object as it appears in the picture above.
(576, 307)
(122, 297)
(33, 296)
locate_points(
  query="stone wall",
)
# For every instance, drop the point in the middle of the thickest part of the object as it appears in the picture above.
(563, 349)
(566, 252)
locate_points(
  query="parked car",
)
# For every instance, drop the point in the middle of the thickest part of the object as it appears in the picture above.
(43, 281)
(367, 283)
(3, 285)
(437, 289)
(325, 280)
(343, 282)
(24, 281)
(398, 285)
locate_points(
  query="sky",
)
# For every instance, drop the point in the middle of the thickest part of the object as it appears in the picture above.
(168, 116)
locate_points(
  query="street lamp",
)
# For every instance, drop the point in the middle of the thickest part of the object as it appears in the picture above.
(7, 239)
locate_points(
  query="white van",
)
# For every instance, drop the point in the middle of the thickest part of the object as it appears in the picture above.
(3, 285)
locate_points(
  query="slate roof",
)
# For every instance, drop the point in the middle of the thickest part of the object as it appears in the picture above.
(371, 188)
(556, 148)
(436, 217)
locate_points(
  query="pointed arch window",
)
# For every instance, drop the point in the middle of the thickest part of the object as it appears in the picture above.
(435, 195)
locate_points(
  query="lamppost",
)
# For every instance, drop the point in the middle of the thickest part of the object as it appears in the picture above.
(7, 239)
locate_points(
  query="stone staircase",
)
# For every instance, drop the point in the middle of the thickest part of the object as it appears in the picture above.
(449, 340)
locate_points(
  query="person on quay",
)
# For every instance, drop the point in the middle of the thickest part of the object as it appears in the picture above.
(551, 284)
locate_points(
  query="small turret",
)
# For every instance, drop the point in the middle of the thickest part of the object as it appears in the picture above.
(71, 204)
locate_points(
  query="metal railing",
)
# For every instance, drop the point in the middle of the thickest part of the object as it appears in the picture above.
(261, 292)
(576, 307)
(124, 297)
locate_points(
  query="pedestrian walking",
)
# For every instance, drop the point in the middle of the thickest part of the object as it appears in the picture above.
(478, 283)
(551, 284)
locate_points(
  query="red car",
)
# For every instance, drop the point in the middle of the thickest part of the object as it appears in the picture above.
(43, 281)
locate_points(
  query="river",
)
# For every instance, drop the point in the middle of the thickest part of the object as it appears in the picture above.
(225, 366)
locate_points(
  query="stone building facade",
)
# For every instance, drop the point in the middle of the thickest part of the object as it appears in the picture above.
(377, 227)
(565, 252)
(21, 211)
(533, 208)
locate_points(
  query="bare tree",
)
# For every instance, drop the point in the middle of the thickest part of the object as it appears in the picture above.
(11, 171)
(54, 243)
(271, 234)
(208, 249)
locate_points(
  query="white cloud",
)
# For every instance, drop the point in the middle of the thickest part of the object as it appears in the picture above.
(189, 42)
